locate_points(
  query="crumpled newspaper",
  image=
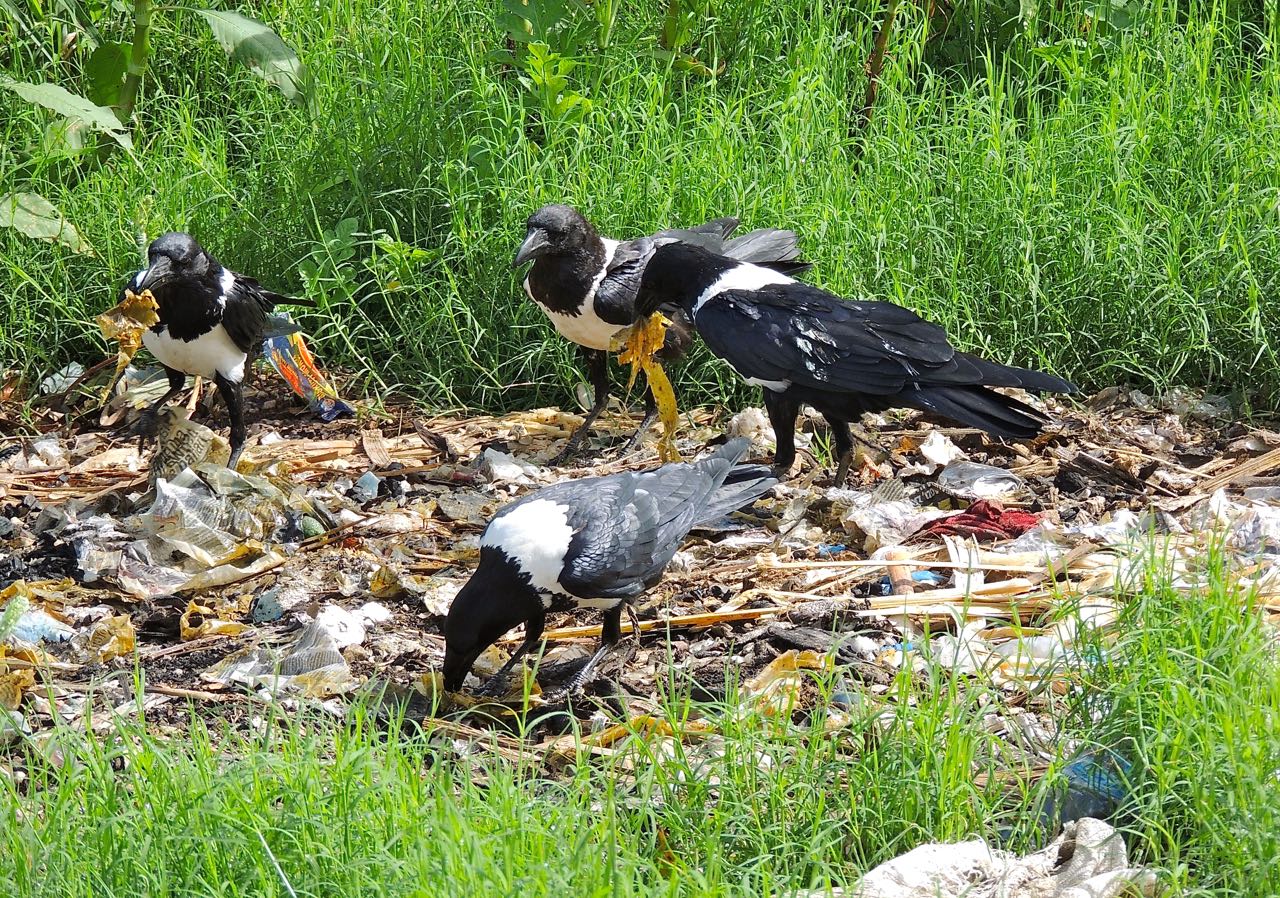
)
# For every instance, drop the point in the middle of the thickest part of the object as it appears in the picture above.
(182, 443)
(1088, 860)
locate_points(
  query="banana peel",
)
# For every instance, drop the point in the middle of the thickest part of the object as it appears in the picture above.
(125, 323)
(639, 345)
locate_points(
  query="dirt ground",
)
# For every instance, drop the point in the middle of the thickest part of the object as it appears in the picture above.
(325, 571)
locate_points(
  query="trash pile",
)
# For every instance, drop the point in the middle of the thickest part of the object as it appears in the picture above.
(1087, 860)
(324, 568)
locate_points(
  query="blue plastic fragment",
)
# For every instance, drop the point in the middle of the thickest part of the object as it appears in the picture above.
(266, 607)
(39, 626)
(927, 577)
(1095, 787)
(367, 487)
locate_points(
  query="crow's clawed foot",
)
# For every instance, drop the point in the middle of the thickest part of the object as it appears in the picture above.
(571, 448)
(146, 427)
(493, 686)
(568, 690)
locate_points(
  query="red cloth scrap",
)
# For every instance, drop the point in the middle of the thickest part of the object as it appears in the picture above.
(983, 520)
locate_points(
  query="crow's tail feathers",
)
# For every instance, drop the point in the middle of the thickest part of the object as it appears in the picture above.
(279, 299)
(996, 375)
(977, 406)
(744, 485)
(741, 484)
(771, 247)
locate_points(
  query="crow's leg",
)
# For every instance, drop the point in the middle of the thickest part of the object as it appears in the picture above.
(532, 637)
(232, 393)
(609, 638)
(844, 447)
(845, 436)
(782, 411)
(149, 418)
(650, 414)
(598, 370)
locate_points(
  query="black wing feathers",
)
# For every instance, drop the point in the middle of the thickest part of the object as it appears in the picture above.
(807, 337)
(245, 314)
(615, 299)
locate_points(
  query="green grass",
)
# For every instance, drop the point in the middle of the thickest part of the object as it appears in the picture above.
(1112, 218)
(1190, 695)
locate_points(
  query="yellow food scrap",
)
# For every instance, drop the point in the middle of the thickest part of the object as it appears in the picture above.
(12, 684)
(641, 343)
(111, 638)
(125, 323)
(200, 620)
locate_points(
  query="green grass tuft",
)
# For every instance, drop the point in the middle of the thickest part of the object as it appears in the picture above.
(1189, 694)
(1109, 213)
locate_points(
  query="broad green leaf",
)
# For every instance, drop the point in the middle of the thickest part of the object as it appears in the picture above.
(253, 44)
(1118, 14)
(34, 216)
(63, 102)
(66, 137)
(104, 72)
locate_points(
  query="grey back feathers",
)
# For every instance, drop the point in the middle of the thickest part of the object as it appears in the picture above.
(628, 526)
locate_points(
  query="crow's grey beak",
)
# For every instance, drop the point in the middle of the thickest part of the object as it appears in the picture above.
(535, 242)
(159, 274)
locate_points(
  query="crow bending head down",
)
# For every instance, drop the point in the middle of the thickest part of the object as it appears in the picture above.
(598, 542)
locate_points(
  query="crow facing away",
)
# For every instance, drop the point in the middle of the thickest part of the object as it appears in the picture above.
(212, 321)
(845, 358)
(586, 284)
(597, 542)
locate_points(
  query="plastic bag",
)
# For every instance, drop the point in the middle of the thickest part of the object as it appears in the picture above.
(290, 357)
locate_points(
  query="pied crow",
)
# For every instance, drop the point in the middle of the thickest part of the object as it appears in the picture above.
(596, 542)
(586, 284)
(212, 324)
(845, 358)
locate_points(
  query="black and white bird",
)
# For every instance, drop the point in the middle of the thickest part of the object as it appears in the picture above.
(844, 358)
(597, 542)
(586, 284)
(212, 323)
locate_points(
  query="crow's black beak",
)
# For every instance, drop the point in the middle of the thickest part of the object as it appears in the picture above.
(157, 275)
(535, 244)
(456, 667)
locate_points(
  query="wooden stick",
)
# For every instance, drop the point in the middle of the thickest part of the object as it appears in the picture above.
(1251, 468)
(899, 576)
(875, 64)
(872, 563)
(199, 694)
(989, 594)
